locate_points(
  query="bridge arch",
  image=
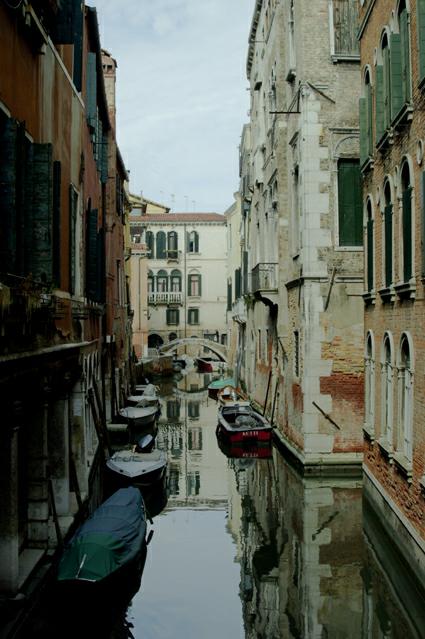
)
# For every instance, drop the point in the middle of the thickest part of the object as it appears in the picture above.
(218, 349)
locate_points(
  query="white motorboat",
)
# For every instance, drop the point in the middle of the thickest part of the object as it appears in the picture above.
(141, 468)
(146, 396)
(139, 415)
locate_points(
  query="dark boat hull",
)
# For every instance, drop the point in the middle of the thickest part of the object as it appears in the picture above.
(248, 436)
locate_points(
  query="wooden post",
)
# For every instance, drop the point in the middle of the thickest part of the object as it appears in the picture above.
(267, 392)
(274, 401)
(54, 511)
(101, 433)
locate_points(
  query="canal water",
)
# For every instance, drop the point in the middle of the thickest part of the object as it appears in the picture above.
(246, 547)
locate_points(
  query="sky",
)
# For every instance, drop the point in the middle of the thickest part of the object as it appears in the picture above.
(182, 96)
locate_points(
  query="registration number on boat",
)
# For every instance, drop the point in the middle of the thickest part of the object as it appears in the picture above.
(251, 433)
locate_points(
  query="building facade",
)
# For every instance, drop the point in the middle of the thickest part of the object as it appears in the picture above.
(392, 41)
(59, 167)
(304, 329)
(186, 279)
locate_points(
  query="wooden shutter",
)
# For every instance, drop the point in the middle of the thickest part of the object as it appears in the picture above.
(349, 203)
(42, 231)
(73, 203)
(396, 75)
(150, 243)
(420, 18)
(57, 175)
(245, 272)
(160, 245)
(388, 224)
(370, 254)
(104, 158)
(196, 242)
(423, 224)
(237, 283)
(407, 234)
(91, 254)
(363, 130)
(100, 266)
(8, 133)
(369, 108)
(405, 56)
(199, 285)
(28, 209)
(379, 102)
(91, 90)
(387, 87)
(22, 145)
(229, 296)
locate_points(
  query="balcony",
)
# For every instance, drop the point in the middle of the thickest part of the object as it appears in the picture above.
(172, 297)
(264, 277)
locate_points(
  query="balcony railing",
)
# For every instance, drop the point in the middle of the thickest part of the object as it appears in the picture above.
(264, 277)
(169, 297)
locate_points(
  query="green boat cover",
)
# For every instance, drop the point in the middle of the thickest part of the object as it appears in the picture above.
(112, 537)
(217, 384)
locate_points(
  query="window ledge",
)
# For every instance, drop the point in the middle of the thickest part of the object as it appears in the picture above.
(345, 57)
(369, 297)
(404, 466)
(385, 141)
(368, 433)
(387, 294)
(404, 116)
(367, 165)
(386, 449)
(406, 290)
(194, 297)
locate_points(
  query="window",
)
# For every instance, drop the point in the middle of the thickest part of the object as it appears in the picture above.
(405, 382)
(162, 281)
(193, 242)
(229, 295)
(172, 245)
(388, 236)
(160, 245)
(193, 316)
(173, 409)
(194, 435)
(386, 76)
(172, 337)
(406, 222)
(73, 216)
(345, 24)
(369, 385)
(420, 18)
(193, 413)
(151, 282)
(172, 316)
(387, 391)
(194, 285)
(176, 281)
(370, 279)
(404, 23)
(350, 213)
(296, 211)
(237, 283)
(150, 243)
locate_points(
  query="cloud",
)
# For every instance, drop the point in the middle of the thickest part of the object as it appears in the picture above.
(181, 94)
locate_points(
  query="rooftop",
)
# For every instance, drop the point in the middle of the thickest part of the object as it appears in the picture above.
(170, 218)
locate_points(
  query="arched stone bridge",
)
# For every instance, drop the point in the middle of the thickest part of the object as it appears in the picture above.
(218, 349)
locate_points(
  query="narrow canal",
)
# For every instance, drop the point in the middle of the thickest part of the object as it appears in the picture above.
(246, 547)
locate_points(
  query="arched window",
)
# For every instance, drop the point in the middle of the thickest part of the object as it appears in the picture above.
(387, 392)
(370, 279)
(370, 385)
(388, 236)
(405, 394)
(151, 282)
(366, 126)
(150, 244)
(172, 245)
(386, 77)
(176, 281)
(160, 246)
(406, 222)
(162, 281)
(404, 23)
(194, 285)
(193, 242)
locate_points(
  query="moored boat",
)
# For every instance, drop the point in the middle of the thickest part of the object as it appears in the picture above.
(108, 548)
(218, 384)
(256, 450)
(141, 468)
(238, 423)
(230, 395)
(209, 364)
(139, 415)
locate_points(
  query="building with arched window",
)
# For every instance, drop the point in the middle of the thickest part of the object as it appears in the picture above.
(186, 276)
(392, 43)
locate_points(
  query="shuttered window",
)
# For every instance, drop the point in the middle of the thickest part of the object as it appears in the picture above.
(237, 283)
(349, 203)
(407, 233)
(193, 242)
(379, 103)
(193, 316)
(57, 179)
(370, 251)
(363, 131)
(387, 84)
(245, 272)
(172, 315)
(92, 249)
(160, 246)
(41, 261)
(420, 19)
(172, 246)
(405, 57)
(194, 285)
(397, 99)
(91, 90)
(229, 295)
(388, 226)
(345, 21)
(73, 210)
(150, 244)
(8, 134)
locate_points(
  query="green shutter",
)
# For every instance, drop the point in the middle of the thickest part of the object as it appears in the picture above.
(245, 272)
(237, 283)
(363, 131)
(200, 285)
(8, 133)
(370, 254)
(73, 204)
(349, 203)
(78, 25)
(91, 254)
(229, 296)
(28, 209)
(420, 17)
(57, 173)
(42, 227)
(388, 222)
(91, 90)
(104, 158)
(396, 75)
(150, 244)
(196, 243)
(379, 102)
(407, 234)
(160, 245)
(387, 87)
(423, 224)
(405, 56)
(369, 107)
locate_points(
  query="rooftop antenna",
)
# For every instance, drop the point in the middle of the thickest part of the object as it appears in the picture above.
(194, 205)
(173, 199)
(186, 200)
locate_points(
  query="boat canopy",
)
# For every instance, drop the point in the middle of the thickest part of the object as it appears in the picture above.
(222, 383)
